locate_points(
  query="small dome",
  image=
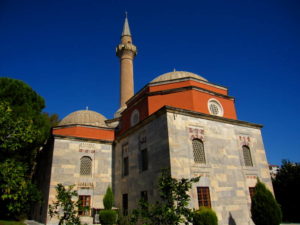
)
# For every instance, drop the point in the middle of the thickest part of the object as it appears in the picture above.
(176, 75)
(84, 117)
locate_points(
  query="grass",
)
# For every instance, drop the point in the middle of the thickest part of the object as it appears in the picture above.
(10, 222)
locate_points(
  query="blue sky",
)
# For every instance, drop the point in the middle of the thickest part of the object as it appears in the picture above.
(65, 50)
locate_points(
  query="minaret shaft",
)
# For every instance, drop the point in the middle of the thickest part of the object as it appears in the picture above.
(126, 51)
(126, 79)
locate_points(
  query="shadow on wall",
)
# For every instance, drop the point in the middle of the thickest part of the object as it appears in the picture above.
(231, 221)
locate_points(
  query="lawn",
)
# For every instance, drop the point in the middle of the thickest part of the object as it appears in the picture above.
(9, 222)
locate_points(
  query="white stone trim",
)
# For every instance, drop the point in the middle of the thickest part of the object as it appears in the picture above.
(213, 101)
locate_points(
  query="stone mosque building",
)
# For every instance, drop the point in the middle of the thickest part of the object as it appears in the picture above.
(179, 120)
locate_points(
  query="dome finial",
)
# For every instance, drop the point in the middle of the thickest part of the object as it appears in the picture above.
(126, 30)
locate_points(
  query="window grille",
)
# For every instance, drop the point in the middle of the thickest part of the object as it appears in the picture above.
(85, 166)
(198, 150)
(247, 156)
(85, 202)
(203, 196)
(214, 109)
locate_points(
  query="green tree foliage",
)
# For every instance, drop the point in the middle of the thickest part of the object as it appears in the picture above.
(264, 208)
(286, 187)
(24, 129)
(108, 216)
(205, 216)
(66, 206)
(16, 191)
(108, 199)
(27, 104)
(173, 207)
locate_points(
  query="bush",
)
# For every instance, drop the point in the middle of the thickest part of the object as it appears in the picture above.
(264, 208)
(108, 199)
(205, 216)
(108, 217)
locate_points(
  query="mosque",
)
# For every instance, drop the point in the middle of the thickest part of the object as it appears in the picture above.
(180, 121)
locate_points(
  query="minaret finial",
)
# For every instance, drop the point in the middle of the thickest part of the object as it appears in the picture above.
(126, 30)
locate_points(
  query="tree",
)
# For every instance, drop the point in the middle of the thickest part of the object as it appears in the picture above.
(205, 216)
(264, 208)
(16, 191)
(108, 216)
(24, 129)
(66, 206)
(286, 187)
(173, 207)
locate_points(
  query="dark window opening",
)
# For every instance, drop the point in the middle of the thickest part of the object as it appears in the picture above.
(144, 159)
(85, 202)
(125, 204)
(144, 196)
(251, 192)
(125, 166)
(203, 196)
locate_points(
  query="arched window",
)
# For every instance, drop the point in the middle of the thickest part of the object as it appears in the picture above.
(247, 156)
(85, 166)
(198, 150)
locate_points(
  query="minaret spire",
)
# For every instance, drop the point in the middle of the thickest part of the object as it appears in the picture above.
(126, 51)
(126, 29)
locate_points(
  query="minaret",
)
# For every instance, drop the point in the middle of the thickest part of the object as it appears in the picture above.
(126, 51)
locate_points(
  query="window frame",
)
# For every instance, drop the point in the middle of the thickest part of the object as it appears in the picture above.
(81, 169)
(83, 200)
(200, 151)
(217, 104)
(203, 194)
(247, 156)
(251, 192)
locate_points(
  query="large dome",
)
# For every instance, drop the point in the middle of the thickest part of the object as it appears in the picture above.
(84, 117)
(176, 75)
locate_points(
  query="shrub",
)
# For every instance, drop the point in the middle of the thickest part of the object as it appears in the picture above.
(264, 208)
(108, 217)
(108, 198)
(205, 216)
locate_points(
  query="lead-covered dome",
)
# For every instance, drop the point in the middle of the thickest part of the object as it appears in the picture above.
(84, 117)
(177, 75)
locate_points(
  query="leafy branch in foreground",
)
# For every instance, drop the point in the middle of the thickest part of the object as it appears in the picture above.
(173, 207)
(67, 206)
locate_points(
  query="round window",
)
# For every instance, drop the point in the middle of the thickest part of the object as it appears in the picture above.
(215, 107)
(135, 117)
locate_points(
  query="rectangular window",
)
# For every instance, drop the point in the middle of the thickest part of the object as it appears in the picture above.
(125, 162)
(251, 192)
(85, 202)
(125, 204)
(144, 196)
(203, 196)
(125, 166)
(144, 159)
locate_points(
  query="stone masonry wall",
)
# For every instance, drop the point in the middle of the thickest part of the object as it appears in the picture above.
(154, 137)
(224, 172)
(66, 170)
